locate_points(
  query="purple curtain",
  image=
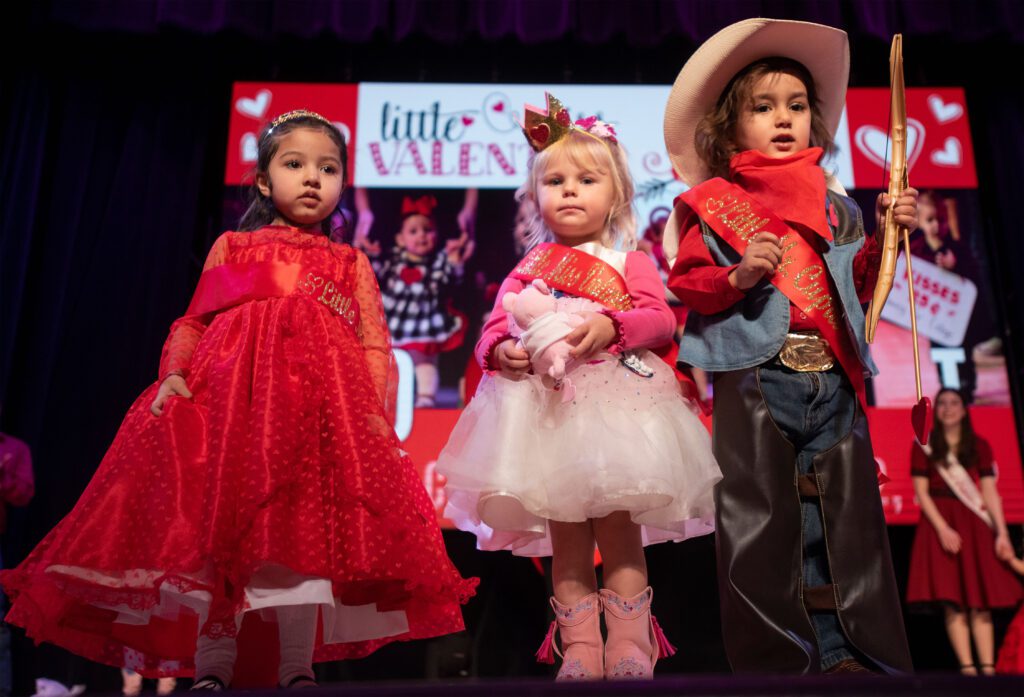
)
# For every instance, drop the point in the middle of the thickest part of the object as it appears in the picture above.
(642, 22)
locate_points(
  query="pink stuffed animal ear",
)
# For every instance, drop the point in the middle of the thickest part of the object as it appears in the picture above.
(540, 285)
(508, 301)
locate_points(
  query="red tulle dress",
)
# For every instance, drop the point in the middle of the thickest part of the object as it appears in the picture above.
(280, 482)
(1011, 653)
(974, 578)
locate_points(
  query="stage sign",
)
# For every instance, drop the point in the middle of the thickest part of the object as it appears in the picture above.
(449, 135)
(944, 301)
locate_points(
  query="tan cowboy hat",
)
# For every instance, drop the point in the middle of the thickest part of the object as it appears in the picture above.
(824, 51)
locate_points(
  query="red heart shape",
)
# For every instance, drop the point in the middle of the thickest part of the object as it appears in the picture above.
(500, 106)
(562, 117)
(467, 120)
(921, 419)
(410, 275)
(540, 133)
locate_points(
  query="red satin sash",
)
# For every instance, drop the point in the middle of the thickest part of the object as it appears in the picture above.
(801, 275)
(577, 273)
(228, 285)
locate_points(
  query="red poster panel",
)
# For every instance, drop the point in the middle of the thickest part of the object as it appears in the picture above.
(939, 148)
(254, 104)
(891, 436)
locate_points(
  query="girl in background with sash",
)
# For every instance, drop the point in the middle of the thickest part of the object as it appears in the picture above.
(962, 547)
(772, 260)
(626, 462)
(260, 473)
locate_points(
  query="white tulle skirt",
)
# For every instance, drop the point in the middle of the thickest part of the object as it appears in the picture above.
(519, 457)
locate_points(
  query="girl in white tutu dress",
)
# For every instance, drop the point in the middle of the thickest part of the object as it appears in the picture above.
(624, 463)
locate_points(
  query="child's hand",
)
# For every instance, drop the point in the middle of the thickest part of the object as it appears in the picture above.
(512, 359)
(172, 385)
(950, 540)
(761, 257)
(460, 249)
(366, 246)
(905, 210)
(591, 337)
(1004, 550)
(364, 224)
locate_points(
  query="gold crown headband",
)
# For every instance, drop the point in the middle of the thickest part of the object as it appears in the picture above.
(298, 114)
(545, 128)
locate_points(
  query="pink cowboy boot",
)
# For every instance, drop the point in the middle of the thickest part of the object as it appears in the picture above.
(579, 628)
(635, 641)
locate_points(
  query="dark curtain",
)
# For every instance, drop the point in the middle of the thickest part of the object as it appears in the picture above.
(641, 22)
(113, 134)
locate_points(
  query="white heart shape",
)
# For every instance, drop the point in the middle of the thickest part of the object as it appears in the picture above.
(248, 151)
(951, 154)
(943, 112)
(254, 107)
(345, 132)
(872, 141)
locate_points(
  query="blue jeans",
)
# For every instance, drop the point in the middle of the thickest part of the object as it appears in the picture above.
(814, 411)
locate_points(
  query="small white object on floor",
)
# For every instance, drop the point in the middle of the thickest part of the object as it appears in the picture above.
(51, 688)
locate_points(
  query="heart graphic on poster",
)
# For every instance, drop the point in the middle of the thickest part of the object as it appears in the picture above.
(497, 113)
(951, 154)
(872, 141)
(943, 112)
(254, 107)
(345, 132)
(248, 148)
(467, 120)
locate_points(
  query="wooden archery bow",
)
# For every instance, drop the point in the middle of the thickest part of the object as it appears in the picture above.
(898, 181)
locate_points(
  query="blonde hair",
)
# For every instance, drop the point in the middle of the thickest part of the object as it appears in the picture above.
(585, 151)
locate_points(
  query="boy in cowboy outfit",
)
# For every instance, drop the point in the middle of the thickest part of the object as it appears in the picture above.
(772, 259)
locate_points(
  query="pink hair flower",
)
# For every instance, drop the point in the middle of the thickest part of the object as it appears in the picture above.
(593, 126)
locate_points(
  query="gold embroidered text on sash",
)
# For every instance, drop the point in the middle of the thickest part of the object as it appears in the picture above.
(575, 272)
(327, 292)
(810, 280)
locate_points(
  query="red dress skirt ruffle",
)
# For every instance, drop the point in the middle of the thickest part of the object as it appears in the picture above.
(279, 483)
(1011, 653)
(974, 578)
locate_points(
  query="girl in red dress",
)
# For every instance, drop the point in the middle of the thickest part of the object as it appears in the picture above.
(261, 471)
(961, 547)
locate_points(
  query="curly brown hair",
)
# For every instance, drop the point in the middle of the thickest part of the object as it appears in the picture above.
(715, 137)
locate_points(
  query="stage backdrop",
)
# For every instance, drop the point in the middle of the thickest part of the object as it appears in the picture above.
(415, 138)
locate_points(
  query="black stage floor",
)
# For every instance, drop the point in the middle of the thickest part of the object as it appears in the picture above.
(714, 686)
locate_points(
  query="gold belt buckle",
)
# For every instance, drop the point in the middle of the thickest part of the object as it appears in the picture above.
(806, 353)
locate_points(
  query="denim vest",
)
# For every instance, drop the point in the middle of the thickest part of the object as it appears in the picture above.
(753, 330)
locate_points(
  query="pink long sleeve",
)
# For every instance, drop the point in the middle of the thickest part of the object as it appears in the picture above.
(495, 329)
(650, 323)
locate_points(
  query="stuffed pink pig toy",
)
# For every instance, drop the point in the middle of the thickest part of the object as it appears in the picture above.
(544, 331)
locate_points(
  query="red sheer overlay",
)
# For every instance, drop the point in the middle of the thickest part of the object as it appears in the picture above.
(280, 474)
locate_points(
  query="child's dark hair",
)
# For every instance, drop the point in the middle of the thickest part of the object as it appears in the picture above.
(261, 209)
(715, 137)
(967, 449)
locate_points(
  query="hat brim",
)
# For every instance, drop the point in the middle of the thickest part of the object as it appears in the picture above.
(823, 50)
